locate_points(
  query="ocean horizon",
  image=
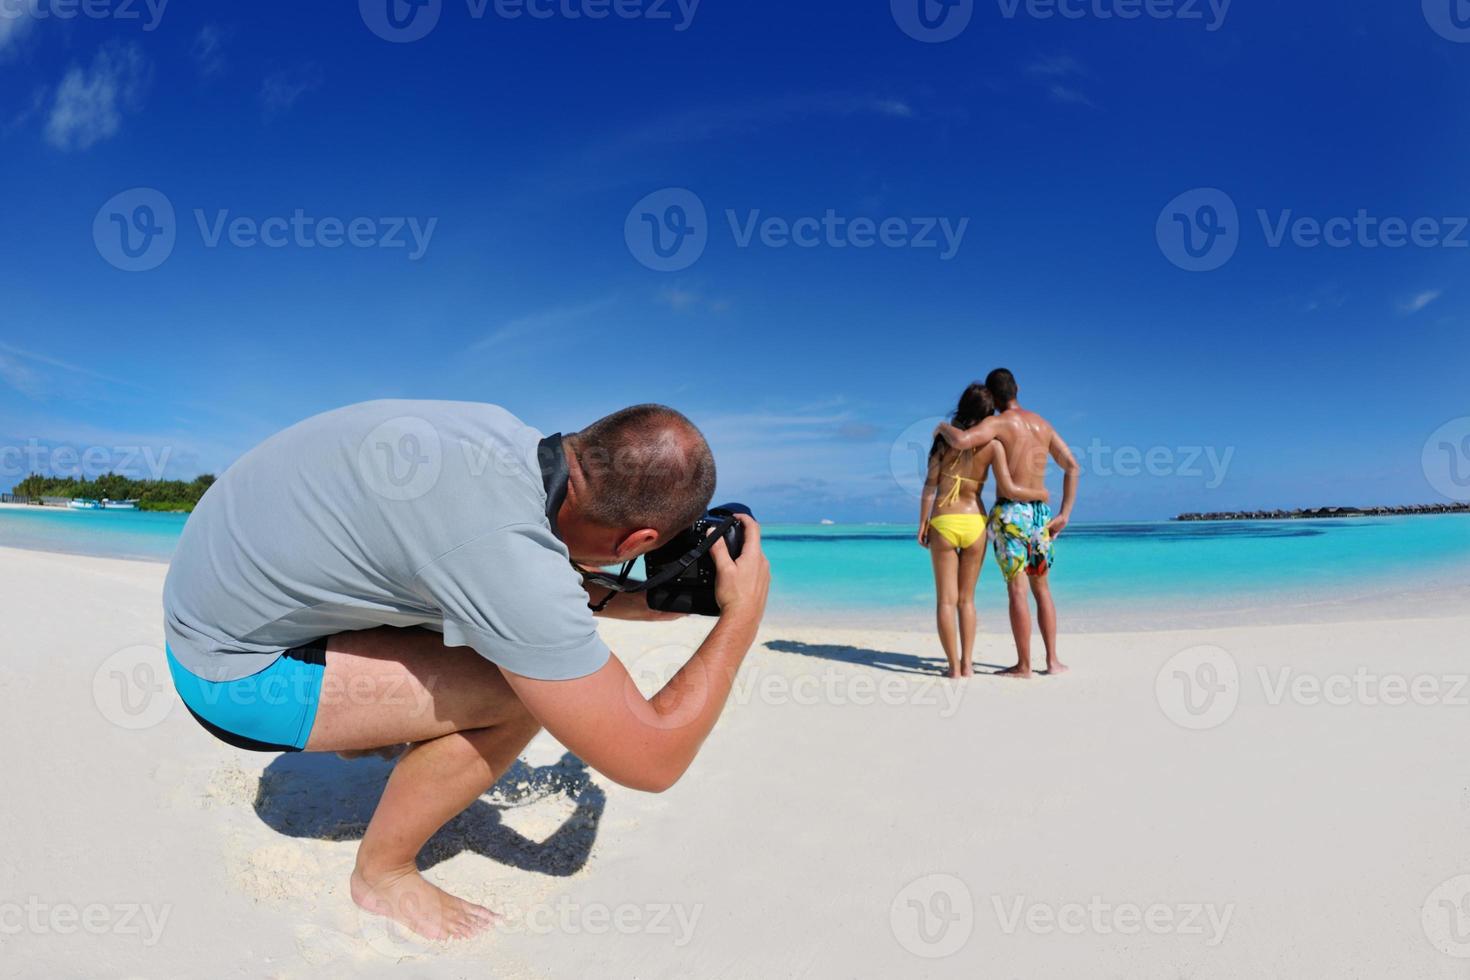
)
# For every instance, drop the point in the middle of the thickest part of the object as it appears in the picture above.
(1108, 575)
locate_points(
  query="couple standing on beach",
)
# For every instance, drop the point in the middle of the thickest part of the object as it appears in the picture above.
(992, 433)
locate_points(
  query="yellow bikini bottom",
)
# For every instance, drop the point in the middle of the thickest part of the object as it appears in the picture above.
(960, 530)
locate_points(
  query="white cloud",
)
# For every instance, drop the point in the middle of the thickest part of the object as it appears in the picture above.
(539, 322)
(283, 89)
(1051, 71)
(89, 103)
(20, 377)
(13, 26)
(1420, 301)
(207, 50)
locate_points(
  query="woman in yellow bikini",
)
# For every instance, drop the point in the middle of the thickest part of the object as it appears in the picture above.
(952, 525)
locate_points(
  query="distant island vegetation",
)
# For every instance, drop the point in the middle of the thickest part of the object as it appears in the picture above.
(158, 495)
(1326, 512)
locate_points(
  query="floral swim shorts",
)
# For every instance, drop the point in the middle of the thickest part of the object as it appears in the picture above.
(1022, 540)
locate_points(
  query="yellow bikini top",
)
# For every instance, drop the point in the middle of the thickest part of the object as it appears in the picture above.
(953, 497)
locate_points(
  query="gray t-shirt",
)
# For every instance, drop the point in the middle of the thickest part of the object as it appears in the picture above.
(388, 513)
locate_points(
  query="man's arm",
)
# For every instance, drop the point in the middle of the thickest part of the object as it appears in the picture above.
(648, 743)
(630, 606)
(962, 439)
(1062, 453)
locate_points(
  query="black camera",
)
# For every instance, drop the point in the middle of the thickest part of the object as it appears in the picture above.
(685, 585)
(681, 574)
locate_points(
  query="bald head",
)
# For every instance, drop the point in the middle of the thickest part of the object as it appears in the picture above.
(645, 466)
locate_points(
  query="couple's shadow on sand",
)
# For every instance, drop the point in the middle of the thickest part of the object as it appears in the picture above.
(321, 796)
(899, 663)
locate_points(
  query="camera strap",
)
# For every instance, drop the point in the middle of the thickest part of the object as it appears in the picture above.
(621, 583)
(556, 476)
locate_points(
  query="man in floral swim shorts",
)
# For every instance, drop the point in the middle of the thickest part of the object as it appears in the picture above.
(1025, 533)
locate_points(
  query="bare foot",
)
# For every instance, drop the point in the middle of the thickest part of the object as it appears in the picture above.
(1017, 671)
(1057, 667)
(954, 673)
(405, 897)
(967, 671)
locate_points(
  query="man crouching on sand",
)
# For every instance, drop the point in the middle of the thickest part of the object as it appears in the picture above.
(401, 572)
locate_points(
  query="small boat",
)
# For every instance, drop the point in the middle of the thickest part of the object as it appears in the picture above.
(827, 523)
(119, 504)
(84, 503)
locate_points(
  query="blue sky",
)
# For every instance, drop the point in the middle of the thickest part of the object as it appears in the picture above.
(520, 148)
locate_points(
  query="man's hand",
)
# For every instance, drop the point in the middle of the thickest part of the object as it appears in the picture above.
(1058, 525)
(741, 585)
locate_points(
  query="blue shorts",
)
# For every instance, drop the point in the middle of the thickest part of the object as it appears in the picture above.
(269, 711)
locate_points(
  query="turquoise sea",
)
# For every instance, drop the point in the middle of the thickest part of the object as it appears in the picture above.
(1107, 575)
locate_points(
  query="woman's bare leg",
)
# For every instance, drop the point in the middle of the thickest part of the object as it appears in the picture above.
(972, 560)
(946, 597)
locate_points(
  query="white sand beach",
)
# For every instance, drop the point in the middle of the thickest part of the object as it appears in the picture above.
(852, 815)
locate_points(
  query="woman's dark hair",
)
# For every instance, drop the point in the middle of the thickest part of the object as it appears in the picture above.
(976, 405)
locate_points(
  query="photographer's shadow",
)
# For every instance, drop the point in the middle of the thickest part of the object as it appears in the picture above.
(901, 663)
(322, 796)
